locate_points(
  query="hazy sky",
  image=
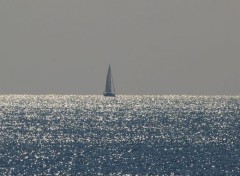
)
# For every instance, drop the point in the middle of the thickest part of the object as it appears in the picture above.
(153, 46)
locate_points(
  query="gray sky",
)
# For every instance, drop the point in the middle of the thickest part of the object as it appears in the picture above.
(153, 46)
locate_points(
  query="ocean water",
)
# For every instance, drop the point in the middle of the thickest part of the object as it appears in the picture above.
(126, 135)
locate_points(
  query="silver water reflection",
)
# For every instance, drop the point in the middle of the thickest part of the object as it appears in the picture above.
(144, 135)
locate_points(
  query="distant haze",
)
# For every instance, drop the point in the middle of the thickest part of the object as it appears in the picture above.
(153, 46)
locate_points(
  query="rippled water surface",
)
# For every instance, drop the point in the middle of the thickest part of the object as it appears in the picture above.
(135, 135)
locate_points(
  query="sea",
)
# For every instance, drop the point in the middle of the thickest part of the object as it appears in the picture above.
(126, 135)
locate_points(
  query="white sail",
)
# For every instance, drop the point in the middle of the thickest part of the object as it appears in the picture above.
(108, 87)
(109, 84)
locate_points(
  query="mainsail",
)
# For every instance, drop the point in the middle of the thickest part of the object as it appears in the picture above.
(109, 84)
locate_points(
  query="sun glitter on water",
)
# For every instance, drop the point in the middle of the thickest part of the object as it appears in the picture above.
(161, 135)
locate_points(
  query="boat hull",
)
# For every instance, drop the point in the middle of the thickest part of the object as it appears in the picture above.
(109, 94)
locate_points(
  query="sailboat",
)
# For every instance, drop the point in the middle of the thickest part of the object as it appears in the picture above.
(109, 88)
